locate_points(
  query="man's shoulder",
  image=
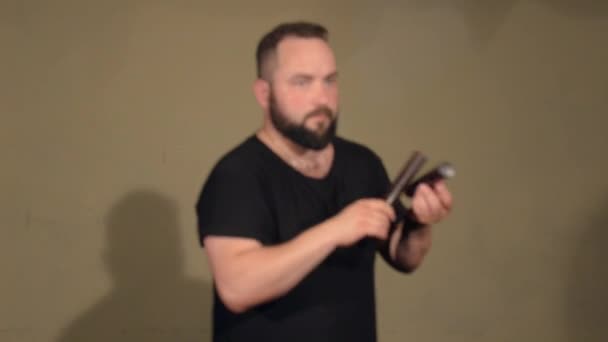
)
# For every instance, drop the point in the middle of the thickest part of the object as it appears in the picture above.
(243, 156)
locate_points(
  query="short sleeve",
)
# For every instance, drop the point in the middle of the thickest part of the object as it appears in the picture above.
(232, 203)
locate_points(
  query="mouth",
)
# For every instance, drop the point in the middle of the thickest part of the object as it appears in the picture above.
(319, 122)
(322, 112)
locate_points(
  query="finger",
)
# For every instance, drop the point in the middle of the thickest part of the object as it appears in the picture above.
(378, 219)
(380, 232)
(436, 209)
(383, 228)
(444, 195)
(378, 235)
(385, 208)
(420, 206)
(377, 227)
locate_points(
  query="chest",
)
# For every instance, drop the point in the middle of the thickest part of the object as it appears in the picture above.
(299, 203)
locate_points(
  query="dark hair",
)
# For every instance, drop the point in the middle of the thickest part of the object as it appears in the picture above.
(269, 42)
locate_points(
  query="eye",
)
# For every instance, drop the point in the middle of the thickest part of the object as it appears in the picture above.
(300, 81)
(331, 80)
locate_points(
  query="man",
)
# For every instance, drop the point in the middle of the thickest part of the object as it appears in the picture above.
(292, 217)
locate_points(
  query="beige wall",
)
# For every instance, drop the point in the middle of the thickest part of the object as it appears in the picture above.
(113, 112)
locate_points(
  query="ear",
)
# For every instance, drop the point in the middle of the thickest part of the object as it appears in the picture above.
(261, 90)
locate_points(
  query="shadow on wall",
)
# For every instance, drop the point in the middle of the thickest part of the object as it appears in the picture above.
(484, 18)
(152, 300)
(587, 297)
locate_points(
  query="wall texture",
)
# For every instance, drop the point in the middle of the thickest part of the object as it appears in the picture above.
(113, 112)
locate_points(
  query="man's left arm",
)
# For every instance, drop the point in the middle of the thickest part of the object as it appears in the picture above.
(411, 238)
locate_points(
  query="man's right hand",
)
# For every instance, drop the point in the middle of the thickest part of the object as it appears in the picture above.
(368, 217)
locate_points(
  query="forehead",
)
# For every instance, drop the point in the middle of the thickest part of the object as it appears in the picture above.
(305, 55)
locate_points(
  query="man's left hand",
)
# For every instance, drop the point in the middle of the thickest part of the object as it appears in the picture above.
(431, 204)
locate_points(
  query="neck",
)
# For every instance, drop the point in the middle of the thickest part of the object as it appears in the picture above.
(307, 161)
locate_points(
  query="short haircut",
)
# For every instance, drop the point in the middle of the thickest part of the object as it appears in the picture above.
(269, 42)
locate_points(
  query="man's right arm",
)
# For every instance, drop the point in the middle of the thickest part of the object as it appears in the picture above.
(248, 273)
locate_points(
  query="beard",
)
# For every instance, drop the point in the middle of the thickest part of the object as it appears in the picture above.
(315, 139)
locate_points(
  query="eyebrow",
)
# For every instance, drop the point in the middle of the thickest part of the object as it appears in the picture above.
(301, 76)
(332, 75)
(309, 76)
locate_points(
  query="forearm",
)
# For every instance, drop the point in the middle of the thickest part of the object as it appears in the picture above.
(430, 204)
(409, 245)
(264, 273)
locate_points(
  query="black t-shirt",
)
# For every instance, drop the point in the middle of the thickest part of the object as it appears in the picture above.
(253, 193)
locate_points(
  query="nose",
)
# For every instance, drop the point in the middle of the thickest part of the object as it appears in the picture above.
(323, 94)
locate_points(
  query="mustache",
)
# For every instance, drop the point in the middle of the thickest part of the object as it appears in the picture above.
(324, 110)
